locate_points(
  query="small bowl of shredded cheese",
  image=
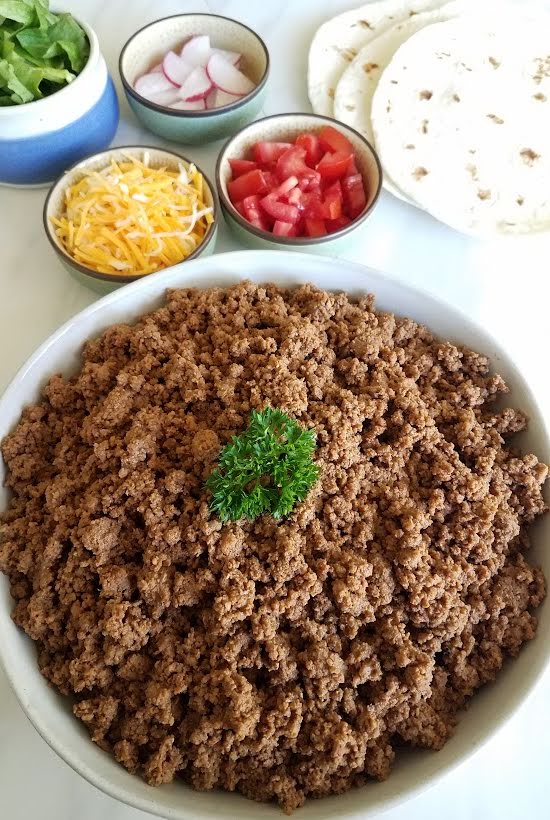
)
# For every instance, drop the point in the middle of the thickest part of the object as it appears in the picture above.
(127, 212)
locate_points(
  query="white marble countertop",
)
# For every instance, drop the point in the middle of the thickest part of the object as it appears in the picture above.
(504, 284)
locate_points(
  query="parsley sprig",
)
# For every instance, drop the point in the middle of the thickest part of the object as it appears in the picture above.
(266, 469)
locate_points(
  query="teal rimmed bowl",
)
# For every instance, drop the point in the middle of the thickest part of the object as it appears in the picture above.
(54, 205)
(149, 45)
(285, 128)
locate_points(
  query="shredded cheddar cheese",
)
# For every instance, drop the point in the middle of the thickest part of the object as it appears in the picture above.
(130, 218)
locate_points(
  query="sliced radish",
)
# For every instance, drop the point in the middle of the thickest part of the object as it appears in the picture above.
(196, 86)
(197, 51)
(226, 77)
(189, 105)
(223, 98)
(176, 69)
(232, 57)
(165, 98)
(210, 98)
(153, 83)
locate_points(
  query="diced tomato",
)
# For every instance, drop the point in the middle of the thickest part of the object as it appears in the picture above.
(333, 201)
(352, 168)
(333, 141)
(337, 224)
(284, 228)
(310, 187)
(353, 192)
(333, 166)
(313, 206)
(315, 227)
(295, 197)
(265, 152)
(241, 166)
(292, 164)
(286, 186)
(279, 210)
(253, 182)
(253, 213)
(314, 152)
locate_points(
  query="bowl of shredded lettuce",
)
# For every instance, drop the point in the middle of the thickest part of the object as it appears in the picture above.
(40, 51)
(57, 100)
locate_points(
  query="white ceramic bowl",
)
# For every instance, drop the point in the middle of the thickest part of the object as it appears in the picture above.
(40, 139)
(414, 771)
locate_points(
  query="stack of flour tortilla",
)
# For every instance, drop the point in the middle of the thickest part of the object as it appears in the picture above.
(456, 99)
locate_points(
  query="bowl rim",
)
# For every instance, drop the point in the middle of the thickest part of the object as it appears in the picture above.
(39, 104)
(116, 278)
(171, 112)
(157, 287)
(290, 242)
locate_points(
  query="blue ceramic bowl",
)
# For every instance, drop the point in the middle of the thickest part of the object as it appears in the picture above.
(149, 45)
(38, 140)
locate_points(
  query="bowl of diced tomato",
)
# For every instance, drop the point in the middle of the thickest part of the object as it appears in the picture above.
(298, 180)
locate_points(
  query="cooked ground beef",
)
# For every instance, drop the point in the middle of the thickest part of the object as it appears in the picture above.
(282, 659)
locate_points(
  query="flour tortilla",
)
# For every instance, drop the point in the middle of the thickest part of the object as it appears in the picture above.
(461, 118)
(337, 42)
(356, 86)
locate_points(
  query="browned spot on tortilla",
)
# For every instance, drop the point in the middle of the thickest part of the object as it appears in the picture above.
(520, 200)
(494, 62)
(456, 98)
(543, 69)
(420, 172)
(472, 150)
(410, 147)
(364, 24)
(540, 96)
(495, 119)
(393, 82)
(484, 194)
(529, 156)
(388, 108)
(350, 108)
(412, 13)
(424, 126)
(368, 67)
(467, 67)
(426, 95)
(472, 170)
(347, 54)
(330, 92)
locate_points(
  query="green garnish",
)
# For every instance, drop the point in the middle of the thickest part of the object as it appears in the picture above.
(39, 51)
(267, 469)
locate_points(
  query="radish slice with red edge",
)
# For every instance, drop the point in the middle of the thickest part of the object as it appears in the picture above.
(176, 69)
(197, 51)
(210, 99)
(232, 57)
(226, 77)
(189, 105)
(196, 86)
(153, 83)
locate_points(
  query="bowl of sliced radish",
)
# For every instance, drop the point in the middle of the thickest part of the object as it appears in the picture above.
(298, 180)
(194, 77)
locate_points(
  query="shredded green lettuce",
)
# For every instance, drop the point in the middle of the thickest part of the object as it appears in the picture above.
(40, 52)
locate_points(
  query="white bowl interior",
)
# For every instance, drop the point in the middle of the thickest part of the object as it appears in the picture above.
(51, 714)
(149, 45)
(285, 128)
(157, 159)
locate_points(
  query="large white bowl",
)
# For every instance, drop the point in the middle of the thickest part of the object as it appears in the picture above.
(51, 714)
